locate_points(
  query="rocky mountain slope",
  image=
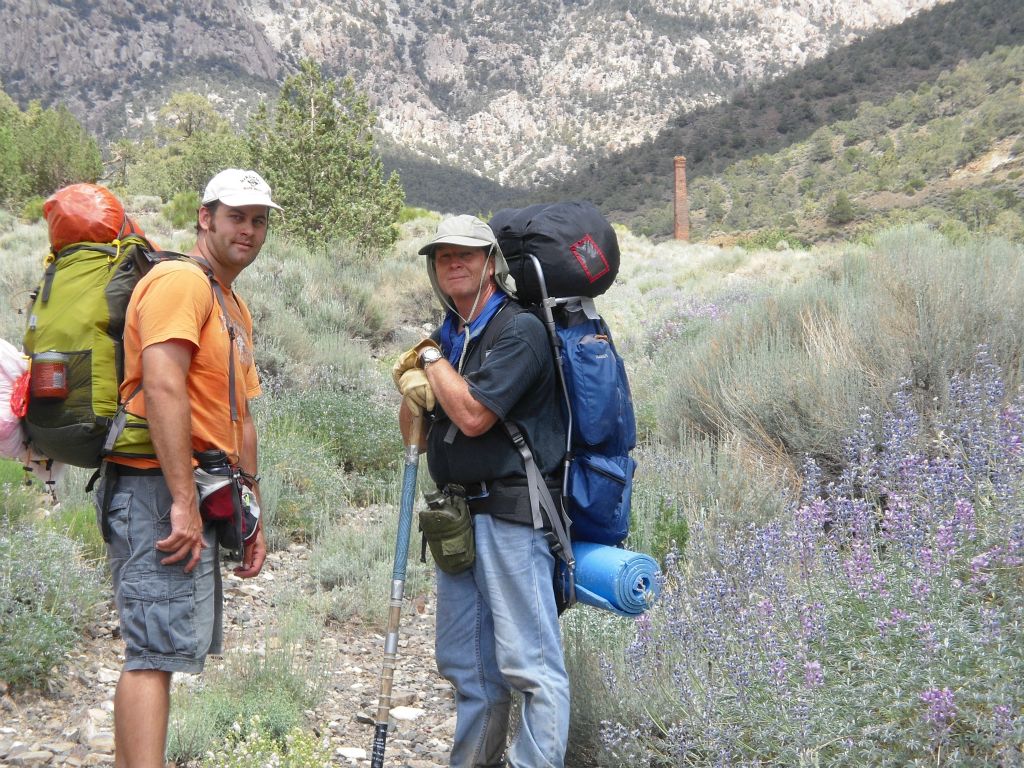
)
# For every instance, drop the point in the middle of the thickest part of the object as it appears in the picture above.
(515, 92)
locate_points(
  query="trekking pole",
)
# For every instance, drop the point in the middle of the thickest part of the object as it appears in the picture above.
(412, 451)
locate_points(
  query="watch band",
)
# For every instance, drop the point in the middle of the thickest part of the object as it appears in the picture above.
(429, 355)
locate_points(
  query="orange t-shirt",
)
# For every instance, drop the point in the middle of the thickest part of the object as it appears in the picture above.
(176, 301)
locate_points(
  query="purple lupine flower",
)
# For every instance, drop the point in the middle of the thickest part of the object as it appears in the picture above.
(991, 624)
(940, 707)
(812, 621)
(920, 590)
(778, 669)
(859, 568)
(980, 565)
(927, 564)
(896, 618)
(811, 476)
(813, 676)
(880, 585)
(607, 672)
(897, 522)
(964, 519)
(638, 650)
(926, 631)
(885, 626)
(1002, 716)
(945, 539)
(1014, 549)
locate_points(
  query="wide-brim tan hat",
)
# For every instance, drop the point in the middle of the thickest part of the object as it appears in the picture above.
(461, 230)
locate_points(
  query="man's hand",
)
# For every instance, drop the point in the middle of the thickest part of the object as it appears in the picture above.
(186, 537)
(409, 360)
(253, 555)
(416, 389)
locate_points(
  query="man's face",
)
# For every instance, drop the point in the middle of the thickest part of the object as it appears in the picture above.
(458, 270)
(234, 236)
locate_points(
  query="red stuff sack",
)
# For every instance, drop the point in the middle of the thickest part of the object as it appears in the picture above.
(86, 213)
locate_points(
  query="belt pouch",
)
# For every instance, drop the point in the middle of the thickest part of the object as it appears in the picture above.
(447, 528)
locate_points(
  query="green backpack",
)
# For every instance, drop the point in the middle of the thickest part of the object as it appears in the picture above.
(74, 338)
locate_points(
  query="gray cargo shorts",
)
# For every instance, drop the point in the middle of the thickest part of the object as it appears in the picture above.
(170, 620)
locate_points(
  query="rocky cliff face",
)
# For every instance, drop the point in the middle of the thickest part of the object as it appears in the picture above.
(515, 91)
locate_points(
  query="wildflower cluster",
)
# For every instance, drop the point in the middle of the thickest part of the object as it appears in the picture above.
(253, 746)
(877, 623)
(683, 317)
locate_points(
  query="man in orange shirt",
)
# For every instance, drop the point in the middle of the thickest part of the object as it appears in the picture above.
(190, 341)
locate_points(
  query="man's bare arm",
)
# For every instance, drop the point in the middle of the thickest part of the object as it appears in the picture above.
(452, 391)
(164, 375)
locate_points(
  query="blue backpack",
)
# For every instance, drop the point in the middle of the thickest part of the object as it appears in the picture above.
(599, 470)
(571, 248)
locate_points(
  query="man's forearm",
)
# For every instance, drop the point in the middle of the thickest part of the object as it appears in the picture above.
(248, 458)
(472, 417)
(169, 414)
(170, 418)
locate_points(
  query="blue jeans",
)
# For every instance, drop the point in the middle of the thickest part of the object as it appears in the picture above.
(497, 631)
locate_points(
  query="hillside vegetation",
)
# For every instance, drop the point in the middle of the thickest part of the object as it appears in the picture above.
(511, 92)
(888, 66)
(950, 153)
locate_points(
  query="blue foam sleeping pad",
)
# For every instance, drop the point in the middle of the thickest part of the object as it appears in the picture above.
(614, 579)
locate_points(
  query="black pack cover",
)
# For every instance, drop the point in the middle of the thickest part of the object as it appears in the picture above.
(575, 244)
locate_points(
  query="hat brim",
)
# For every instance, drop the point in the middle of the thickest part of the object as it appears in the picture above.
(241, 200)
(472, 242)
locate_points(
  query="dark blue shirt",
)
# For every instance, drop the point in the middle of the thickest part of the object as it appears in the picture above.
(515, 379)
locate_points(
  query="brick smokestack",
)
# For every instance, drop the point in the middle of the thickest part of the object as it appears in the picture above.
(682, 205)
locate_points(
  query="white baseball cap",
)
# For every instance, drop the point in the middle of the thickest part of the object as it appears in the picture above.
(237, 187)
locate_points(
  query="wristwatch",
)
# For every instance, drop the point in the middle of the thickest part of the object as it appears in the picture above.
(429, 355)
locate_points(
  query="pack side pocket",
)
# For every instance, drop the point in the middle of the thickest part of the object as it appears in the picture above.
(600, 493)
(593, 373)
(447, 526)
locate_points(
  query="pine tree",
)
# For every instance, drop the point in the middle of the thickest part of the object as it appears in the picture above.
(42, 150)
(841, 211)
(191, 141)
(316, 149)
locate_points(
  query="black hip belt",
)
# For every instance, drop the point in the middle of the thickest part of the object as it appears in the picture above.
(126, 471)
(507, 498)
(507, 486)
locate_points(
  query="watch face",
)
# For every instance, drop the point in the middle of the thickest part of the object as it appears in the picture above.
(429, 355)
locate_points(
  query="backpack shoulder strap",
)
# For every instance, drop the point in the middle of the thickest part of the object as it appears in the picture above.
(545, 511)
(498, 323)
(218, 293)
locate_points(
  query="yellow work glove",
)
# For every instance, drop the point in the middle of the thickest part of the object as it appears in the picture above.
(416, 389)
(410, 359)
